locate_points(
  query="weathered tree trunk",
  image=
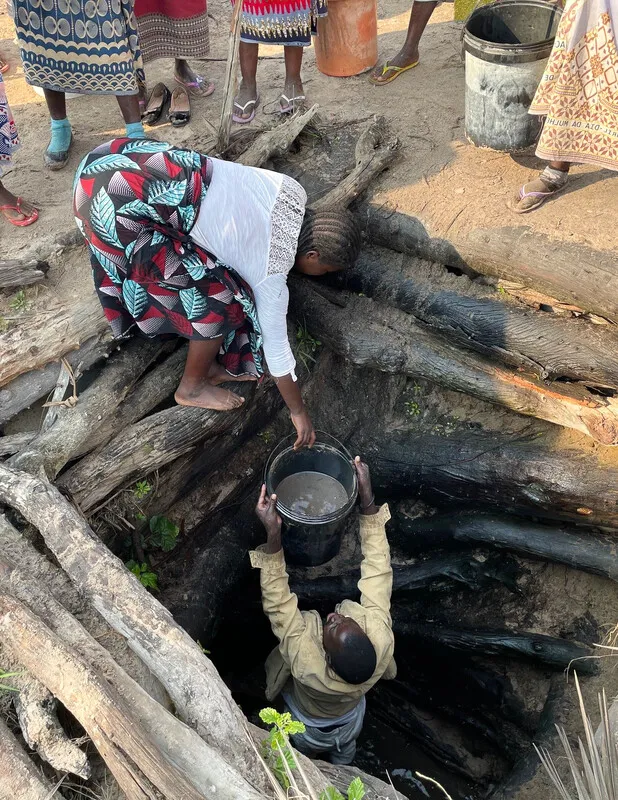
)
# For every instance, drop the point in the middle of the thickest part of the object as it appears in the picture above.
(571, 272)
(390, 341)
(555, 653)
(504, 472)
(53, 448)
(147, 445)
(26, 389)
(373, 155)
(200, 697)
(277, 142)
(15, 273)
(19, 778)
(577, 548)
(15, 442)
(542, 344)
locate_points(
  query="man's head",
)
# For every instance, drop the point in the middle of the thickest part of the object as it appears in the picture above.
(348, 649)
(329, 241)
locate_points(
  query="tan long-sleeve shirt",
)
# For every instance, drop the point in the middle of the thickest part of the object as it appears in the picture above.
(300, 656)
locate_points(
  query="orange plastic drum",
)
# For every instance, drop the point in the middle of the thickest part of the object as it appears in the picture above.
(347, 40)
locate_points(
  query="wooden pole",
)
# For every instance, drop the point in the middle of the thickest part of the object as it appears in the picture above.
(225, 123)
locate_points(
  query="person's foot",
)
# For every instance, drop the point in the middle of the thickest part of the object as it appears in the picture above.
(394, 67)
(365, 492)
(57, 153)
(195, 84)
(217, 374)
(293, 96)
(532, 195)
(17, 211)
(245, 103)
(204, 395)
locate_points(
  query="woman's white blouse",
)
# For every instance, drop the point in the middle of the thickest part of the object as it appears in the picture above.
(250, 220)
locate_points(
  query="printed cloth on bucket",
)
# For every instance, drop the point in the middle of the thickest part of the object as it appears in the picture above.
(579, 90)
(9, 140)
(291, 23)
(135, 202)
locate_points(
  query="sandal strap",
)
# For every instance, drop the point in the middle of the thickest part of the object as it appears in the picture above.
(248, 103)
(292, 99)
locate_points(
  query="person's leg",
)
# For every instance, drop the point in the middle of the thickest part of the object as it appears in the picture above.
(246, 99)
(57, 153)
(132, 115)
(552, 180)
(17, 210)
(193, 83)
(199, 383)
(408, 55)
(293, 83)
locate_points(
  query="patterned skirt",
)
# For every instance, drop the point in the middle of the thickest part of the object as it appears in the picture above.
(79, 46)
(578, 93)
(290, 23)
(9, 140)
(135, 202)
(171, 29)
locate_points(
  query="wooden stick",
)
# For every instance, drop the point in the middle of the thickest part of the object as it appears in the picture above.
(225, 123)
(14, 272)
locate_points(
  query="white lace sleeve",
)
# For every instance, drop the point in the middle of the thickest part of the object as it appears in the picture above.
(271, 302)
(285, 223)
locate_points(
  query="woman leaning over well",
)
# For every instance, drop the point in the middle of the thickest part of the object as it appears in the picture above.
(181, 243)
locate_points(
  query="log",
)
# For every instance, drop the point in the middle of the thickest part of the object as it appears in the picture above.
(15, 272)
(545, 345)
(148, 445)
(571, 272)
(181, 745)
(579, 549)
(547, 650)
(373, 154)
(341, 777)
(277, 141)
(464, 570)
(28, 388)
(128, 748)
(20, 778)
(388, 340)
(510, 473)
(200, 697)
(229, 86)
(15, 442)
(155, 387)
(51, 334)
(53, 448)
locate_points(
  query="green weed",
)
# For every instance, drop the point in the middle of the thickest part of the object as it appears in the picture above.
(163, 533)
(19, 303)
(412, 408)
(307, 346)
(144, 574)
(5, 687)
(141, 490)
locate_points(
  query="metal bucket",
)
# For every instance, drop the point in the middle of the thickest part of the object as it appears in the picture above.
(310, 541)
(506, 44)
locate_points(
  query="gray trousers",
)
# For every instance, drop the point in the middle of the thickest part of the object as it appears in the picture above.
(337, 746)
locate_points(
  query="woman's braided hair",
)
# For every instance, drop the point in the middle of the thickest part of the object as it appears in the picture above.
(335, 234)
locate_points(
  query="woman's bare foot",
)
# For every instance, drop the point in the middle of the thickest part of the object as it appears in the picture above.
(217, 374)
(293, 96)
(394, 67)
(195, 84)
(16, 210)
(246, 102)
(204, 395)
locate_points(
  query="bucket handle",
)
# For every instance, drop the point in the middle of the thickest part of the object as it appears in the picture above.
(283, 443)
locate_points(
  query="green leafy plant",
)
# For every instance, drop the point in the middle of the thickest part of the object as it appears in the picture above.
(307, 346)
(277, 751)
(412, 408)
(141, 490)
(266, 436)
(144, 574)
(5, 687)
(202, 648)
(163, 533)
(356, 791)
(19, 302)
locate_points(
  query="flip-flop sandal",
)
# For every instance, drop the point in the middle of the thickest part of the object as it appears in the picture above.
(291, 107)
(251, 117)
(397, 71)
(180, 107)
(4, 66)
(157, 100)
(20, 223)
(198, 87)
(541, 197)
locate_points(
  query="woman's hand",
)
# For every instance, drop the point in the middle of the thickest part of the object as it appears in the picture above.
(304, 429)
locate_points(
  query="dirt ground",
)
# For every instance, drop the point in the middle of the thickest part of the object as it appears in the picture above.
(439, 177)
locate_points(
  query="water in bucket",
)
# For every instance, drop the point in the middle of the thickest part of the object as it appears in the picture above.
(312, 494)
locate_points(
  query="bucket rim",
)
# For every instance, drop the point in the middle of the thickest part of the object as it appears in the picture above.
(283, 448)
(476, 42)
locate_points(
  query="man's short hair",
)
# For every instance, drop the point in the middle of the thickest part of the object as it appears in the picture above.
(355, 660)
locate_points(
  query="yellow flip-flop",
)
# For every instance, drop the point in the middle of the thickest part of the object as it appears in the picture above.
(388, 68)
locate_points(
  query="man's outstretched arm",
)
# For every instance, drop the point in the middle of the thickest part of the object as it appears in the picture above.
(279, 603)
(376, 582)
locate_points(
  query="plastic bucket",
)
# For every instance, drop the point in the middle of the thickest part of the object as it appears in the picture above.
(310, 541)
(507, 44)
(347, 40)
